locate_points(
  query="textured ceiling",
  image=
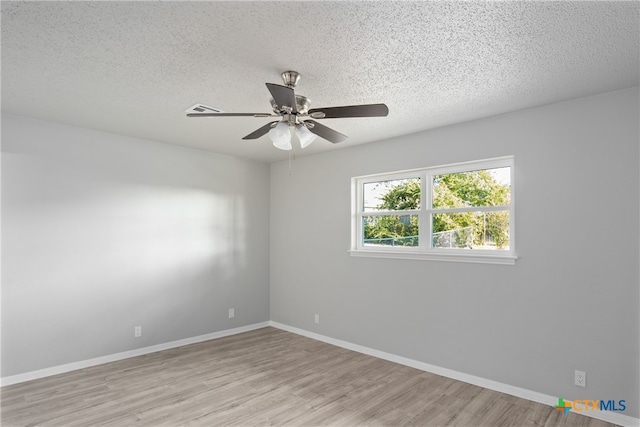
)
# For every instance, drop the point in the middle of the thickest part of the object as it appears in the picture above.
(133, 67)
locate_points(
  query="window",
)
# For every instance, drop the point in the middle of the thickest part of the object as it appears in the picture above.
(462, 212)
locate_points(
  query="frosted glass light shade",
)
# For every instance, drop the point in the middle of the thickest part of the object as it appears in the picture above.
(281, 136)
(305, 136)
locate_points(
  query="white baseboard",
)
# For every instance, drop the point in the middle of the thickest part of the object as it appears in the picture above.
(54, 370)
(608, 416)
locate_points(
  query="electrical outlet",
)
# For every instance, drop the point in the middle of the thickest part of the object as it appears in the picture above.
(317, 319)
(137, 332)
(581, 378)
(232, 313)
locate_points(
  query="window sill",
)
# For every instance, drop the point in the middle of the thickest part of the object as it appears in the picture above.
(479, 258)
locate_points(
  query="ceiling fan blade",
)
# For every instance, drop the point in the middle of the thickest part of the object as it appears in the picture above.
(283, 95)
(230, 115)
(366, 110)
(326, 132)
(260, 131)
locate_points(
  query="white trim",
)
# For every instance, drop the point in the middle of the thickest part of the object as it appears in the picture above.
(498, 208)
(612, 417)
(60, 369)
(486, 258)
(492, 163)
(414, 212)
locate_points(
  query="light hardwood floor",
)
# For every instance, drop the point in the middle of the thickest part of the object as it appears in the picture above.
(265, 377)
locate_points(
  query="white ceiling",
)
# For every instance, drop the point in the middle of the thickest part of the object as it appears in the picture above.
(133, 67)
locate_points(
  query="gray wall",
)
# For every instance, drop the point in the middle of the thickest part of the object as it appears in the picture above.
(101, 233)
(570, 302)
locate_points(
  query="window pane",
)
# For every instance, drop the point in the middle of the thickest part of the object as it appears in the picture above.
(471, 230)
(395, 195)
(390, 230)
(487, 187)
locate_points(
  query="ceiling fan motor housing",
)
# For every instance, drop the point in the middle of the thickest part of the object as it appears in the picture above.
(302, 105)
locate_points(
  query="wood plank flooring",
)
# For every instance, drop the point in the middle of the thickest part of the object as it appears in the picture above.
(265, 377)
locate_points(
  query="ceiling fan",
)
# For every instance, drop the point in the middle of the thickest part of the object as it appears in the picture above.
(295, 113)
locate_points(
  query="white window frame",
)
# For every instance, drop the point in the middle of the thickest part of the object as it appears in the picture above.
(424, 251)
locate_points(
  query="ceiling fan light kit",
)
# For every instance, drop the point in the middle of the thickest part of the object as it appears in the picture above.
(295, 113)
(305, 136)
(280, 135)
